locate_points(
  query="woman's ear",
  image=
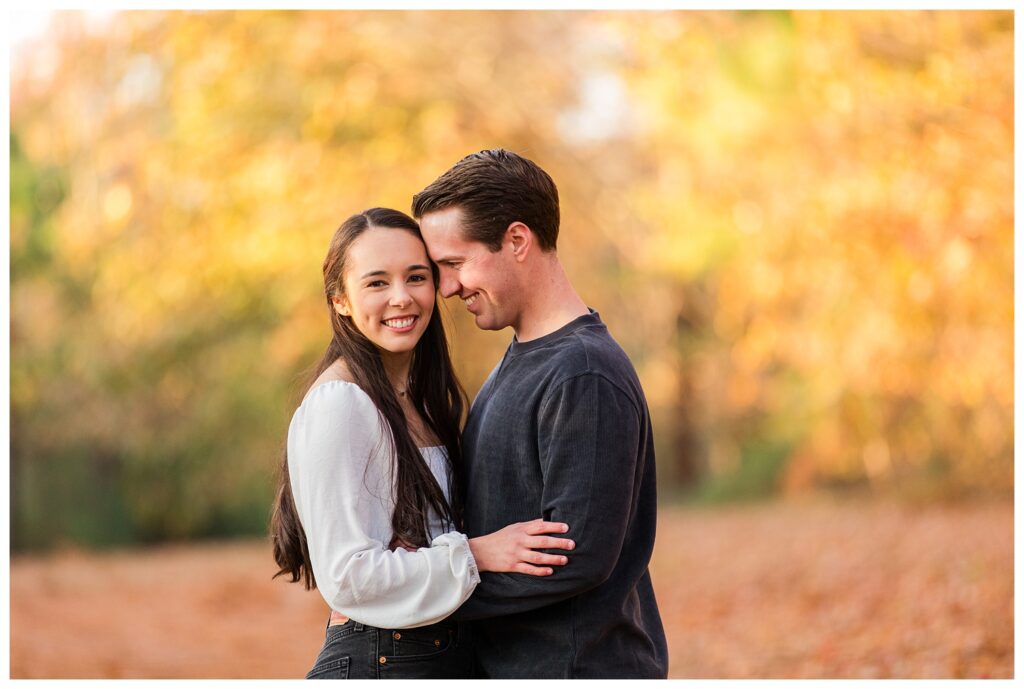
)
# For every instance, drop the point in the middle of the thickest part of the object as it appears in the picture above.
(341, 306)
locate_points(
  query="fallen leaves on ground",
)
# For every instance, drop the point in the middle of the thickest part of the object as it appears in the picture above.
(784, 589)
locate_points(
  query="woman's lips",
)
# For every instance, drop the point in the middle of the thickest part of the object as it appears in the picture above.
(402, 324)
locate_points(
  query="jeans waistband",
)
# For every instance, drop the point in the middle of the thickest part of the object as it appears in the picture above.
(360, 627)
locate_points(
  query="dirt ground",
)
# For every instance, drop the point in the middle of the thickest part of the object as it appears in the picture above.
(779, 590)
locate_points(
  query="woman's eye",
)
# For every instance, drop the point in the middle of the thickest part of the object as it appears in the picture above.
(417, 278)
(376, 283)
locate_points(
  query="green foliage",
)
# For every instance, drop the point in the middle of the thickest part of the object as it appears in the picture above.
(36, 192)
(757, 476)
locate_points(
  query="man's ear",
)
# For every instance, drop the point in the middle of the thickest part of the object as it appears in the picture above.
(341, 306)
(521, 238)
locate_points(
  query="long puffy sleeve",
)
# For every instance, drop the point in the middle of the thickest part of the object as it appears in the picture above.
(341, 471)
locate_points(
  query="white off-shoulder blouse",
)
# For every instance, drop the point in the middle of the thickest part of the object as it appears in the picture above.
(342, 474)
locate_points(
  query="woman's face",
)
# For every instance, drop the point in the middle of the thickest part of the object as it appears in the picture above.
(389, 289)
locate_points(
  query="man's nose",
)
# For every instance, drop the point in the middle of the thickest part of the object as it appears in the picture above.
(449, 286)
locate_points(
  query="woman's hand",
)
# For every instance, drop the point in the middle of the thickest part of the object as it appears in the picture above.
(515, 548)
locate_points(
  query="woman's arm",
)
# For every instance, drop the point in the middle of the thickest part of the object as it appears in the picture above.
(339, 461)
(342, 478)
(514, 548)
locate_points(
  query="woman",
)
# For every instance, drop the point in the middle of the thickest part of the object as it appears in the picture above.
(367, 508)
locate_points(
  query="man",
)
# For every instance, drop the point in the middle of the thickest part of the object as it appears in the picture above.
(560, 430)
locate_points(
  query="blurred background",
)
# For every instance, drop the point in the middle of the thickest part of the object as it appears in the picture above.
(799, 226)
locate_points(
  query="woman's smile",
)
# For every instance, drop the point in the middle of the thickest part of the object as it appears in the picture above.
(401, 324)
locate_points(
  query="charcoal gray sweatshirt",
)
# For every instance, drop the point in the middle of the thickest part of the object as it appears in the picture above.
(561, 430)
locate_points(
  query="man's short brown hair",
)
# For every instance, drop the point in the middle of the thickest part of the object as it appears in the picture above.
(495, 188)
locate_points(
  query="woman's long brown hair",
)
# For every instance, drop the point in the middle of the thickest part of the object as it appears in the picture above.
(433, 389)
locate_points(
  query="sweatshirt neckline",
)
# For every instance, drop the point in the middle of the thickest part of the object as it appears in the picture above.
(586, 320)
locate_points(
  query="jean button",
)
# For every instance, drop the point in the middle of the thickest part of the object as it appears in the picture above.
(383, 660)
(396, 636)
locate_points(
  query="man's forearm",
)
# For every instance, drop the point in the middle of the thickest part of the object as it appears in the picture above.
(501, 593)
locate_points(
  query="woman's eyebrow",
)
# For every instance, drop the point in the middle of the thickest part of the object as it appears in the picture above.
(373, 273)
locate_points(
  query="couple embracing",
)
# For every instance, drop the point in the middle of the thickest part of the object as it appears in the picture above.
(515, 547)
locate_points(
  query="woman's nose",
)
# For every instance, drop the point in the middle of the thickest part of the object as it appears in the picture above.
(400, 296)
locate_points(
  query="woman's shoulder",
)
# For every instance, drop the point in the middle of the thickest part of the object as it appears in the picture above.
(336, 395)
(334, 414)
(335, 382)
(338, 371)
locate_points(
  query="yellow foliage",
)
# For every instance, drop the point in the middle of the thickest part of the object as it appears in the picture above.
(798, 224)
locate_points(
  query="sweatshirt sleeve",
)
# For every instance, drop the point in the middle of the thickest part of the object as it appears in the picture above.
(589, 432)
(341, 471)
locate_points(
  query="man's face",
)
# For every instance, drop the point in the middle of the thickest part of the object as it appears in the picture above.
(484, 280)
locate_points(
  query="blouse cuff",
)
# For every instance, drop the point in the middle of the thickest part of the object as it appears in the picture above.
(459, 545)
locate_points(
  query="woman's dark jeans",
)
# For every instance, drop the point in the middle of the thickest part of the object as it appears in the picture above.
(358, 651)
